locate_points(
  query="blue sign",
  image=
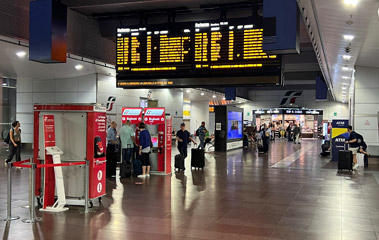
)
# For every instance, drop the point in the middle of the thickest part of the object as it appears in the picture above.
(339, 135)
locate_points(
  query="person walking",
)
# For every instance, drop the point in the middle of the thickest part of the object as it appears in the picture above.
(183, 138)
(145, 146)
(14, 143)
(353, 144)
(111, 150)
(201, 131)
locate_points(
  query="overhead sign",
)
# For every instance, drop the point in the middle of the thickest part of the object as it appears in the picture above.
(134, 115)
(191, 53)
(289, 111)
(154, 116)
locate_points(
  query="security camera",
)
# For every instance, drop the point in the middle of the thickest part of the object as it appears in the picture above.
(347, 49)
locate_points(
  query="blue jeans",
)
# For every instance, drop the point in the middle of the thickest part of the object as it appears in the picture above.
(127, 154)
(201, 145)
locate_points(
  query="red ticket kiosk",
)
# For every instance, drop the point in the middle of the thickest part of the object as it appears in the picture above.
(80, 132)
(160, 128)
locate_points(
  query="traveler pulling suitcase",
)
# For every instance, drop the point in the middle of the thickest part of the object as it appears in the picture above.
(179, 162)
(197, 158)
(345, 159)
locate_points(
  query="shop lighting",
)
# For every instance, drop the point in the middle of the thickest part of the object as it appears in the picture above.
(214, 96)
(346, 57)
(202, 94)
(351, 2)
(79, 67)
(348, 37)
(4, 84)
(21, 54)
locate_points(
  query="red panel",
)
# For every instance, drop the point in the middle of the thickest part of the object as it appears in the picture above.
(49, 135)
(168, 144)
(134, 115)
(161, 148)
(63, 108)
(35, 153)
(96, 141)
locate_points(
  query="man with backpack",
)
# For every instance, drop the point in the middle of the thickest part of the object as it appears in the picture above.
(201, 131)
(14, 141)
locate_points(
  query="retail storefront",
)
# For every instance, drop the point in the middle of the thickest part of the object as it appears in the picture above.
(309, 119)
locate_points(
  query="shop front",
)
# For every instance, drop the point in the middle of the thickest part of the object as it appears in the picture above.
(309, 119)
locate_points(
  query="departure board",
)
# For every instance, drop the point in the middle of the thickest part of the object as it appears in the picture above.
(224, 53)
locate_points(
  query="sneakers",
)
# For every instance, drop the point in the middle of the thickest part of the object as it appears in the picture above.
(147, 175)
(355, 166)
(6, 163)
(141, 176)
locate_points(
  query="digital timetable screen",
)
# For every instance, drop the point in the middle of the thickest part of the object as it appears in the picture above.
(223, 52)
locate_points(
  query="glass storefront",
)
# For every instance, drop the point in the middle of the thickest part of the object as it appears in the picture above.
(8, 105)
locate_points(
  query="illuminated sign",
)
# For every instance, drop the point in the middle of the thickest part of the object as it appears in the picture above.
(154, 116)
(134, 115)
(192, 53)
(288, 111)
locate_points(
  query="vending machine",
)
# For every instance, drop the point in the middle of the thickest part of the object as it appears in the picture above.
(160, 127)
(79, 131)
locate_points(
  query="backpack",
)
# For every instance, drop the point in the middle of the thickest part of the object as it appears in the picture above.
(359, 138)
(197, 133)
(8, 138)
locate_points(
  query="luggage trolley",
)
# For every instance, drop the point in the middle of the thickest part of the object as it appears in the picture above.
(80, 132)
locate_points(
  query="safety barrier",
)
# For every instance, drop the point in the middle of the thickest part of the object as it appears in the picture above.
(29, 164)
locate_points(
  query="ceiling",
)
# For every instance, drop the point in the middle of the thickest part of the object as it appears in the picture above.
(12, 66)
(327, 22)
(198, 94)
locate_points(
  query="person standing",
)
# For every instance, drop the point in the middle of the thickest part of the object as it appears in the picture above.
(265, 134)
(353, 144)
(14, 143)
(127, 142)
(201, 133)
(111, 150)
(183, 138)
(145, 146)
(296, 133)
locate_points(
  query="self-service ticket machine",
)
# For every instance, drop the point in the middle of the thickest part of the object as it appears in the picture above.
(74, 134)
(160, 127)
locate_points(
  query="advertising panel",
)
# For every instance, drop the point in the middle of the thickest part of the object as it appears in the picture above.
(339, 136)
(154, 116)
(235, 125)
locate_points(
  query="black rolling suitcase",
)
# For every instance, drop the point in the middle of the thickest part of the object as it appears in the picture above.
(197, 158)
(125, 170)
(345, 160)
(179, 162)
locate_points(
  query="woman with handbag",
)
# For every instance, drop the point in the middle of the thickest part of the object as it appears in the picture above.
(145, 146)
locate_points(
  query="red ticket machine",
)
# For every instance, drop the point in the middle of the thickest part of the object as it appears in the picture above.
(160, 128)
(80, 132)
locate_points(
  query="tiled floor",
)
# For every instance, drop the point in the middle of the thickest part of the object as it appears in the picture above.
(239, 195)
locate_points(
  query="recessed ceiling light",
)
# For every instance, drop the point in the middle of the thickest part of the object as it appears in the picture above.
(343, 88)
(214, 96)
(188, 91)
(348, 37)
(79, 67)
(345, 69)
(21, 54)
(202, 94)
(346, 57)
(351, 2)
(345, 77)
